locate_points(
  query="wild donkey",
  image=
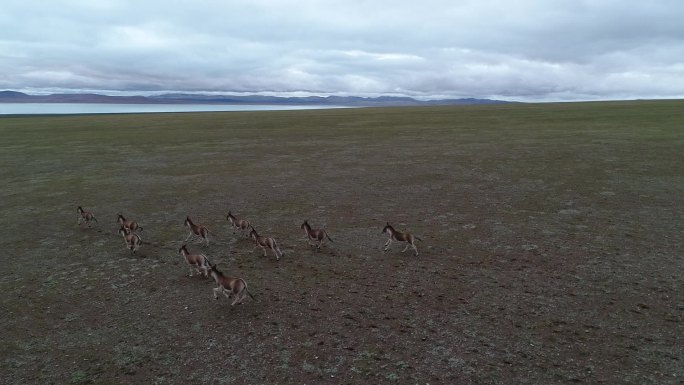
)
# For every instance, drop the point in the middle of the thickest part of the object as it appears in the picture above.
(238, 224)
(198, 261)
(398, 236)
(196, 230)
(237, 287)
(265, 242)
(133, 241)
(130, 226)
(85, 216)
(318, 235)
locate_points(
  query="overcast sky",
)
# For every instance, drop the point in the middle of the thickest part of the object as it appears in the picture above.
(522, 50)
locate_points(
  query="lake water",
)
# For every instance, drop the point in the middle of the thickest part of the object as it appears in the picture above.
(100, 108)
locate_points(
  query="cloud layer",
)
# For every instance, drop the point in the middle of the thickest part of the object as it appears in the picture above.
(515, 50)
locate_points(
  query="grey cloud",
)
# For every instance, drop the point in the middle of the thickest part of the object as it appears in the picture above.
(517, 50)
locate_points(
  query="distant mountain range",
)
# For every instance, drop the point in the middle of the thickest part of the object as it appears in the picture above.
(351, 101)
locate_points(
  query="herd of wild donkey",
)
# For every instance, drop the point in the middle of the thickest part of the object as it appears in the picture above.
(237, 287)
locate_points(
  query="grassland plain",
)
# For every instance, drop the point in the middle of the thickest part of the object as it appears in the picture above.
(552, 253)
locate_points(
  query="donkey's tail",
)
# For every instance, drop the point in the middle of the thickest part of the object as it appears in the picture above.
(246, 289)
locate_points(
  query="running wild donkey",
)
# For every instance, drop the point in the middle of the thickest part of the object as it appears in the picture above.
(317, 235)
(265, 242)
(237, 287)
(196, 230)
(398, 236)
(85, 216)
(238, 224)
(133, 241)
(130, 226)
(198, 261)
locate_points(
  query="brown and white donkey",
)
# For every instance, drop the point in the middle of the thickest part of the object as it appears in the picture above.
(398, 236)
(196, 231)
(85, 216)
(241, 225)
(265, 242)
(316, 235)
(237, 287)
(130, 226)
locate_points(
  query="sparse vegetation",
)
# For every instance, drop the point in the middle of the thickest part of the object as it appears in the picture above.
(552, 246)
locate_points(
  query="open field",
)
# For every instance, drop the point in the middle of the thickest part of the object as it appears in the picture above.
(552, 246)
